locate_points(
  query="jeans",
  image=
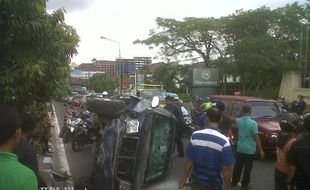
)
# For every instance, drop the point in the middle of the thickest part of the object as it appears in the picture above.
(246, 161)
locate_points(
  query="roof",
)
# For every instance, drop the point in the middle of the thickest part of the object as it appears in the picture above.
(88, 67)
(242, 98)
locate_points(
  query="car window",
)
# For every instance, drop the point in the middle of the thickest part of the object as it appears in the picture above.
(237, 109)
(227, 106)
(264, 109)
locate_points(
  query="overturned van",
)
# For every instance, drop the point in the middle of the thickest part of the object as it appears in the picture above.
(135, 144)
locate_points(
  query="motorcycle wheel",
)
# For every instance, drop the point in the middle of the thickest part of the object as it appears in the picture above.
(77, 145)
(62, 131)
(66, 136)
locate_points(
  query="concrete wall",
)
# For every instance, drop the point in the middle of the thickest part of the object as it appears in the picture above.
(290, 82)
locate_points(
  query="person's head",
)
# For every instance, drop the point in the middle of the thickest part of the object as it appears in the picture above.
(10, 132)
(28, 123)
(169, 100)
(290, 122)
(306, 122)
(214, 115)
(246, 109)
(220, 106)
(301, 98)
(282, 98)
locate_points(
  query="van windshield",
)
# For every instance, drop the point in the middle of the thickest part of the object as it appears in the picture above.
(261, 109)
(152, 93)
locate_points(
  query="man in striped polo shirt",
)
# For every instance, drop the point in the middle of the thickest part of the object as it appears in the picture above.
(208, 157)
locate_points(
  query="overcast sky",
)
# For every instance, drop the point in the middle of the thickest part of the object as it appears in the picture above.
(128, 20)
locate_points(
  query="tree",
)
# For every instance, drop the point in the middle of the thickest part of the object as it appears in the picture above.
(100, 83)
(166, 75)
(189, 38)
(35, 52)
(262, 44)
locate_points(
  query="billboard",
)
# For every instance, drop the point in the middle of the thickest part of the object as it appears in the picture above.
(205, 77)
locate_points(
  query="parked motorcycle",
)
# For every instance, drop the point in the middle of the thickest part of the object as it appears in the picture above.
(84, 134)
(70, 127)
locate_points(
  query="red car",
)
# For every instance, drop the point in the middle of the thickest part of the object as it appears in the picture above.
(265, 112)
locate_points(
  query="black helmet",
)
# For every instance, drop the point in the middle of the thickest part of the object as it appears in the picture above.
(290, 122)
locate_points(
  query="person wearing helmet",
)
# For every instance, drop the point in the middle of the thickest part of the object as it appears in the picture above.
(289, 123)
(299, 159)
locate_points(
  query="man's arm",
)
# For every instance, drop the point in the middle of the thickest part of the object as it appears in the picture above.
(226, 170)
(187, 170)
(260, 148)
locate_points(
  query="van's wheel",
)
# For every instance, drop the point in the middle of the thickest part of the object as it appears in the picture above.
(77, 145)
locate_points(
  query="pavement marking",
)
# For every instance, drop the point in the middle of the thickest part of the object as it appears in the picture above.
(58, 145)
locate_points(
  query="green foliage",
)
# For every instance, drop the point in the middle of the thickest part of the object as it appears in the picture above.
(43, 128)
(170, 75)
(257, 45)
(185, 97)
(267, 92)
(35, 52)
(189, 38)
(100, 83)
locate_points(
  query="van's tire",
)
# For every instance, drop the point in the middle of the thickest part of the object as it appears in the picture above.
(105, 106)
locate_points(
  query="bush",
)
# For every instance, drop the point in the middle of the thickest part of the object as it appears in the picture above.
(185, 97)
(43, 128)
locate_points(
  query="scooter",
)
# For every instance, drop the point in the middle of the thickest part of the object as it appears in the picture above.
(85, 134)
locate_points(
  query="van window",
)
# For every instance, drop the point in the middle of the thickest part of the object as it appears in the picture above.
(237, 109)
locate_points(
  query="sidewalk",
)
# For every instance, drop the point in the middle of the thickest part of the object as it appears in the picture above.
(56, 160)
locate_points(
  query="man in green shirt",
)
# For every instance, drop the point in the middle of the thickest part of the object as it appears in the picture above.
(248, 140)
(13, 175)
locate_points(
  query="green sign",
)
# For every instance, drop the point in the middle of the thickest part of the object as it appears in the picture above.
(205, 77)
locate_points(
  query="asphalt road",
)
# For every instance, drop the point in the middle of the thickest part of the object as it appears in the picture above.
(80, 165)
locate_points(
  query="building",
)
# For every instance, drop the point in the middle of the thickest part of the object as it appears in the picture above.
(85, 71)
(140, 62)
(130, 66)
(108, 67)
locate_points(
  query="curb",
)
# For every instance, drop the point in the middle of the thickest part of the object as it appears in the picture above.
(57, 160)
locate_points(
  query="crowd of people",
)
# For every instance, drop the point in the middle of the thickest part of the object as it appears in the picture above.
(211, 157)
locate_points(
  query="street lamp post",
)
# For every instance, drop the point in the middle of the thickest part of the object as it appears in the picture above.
(119, 58)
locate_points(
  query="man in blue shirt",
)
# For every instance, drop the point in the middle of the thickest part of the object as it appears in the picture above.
(248, 139)
(208, 157)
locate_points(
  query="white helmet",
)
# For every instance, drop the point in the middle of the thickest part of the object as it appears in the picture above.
(105, 93)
